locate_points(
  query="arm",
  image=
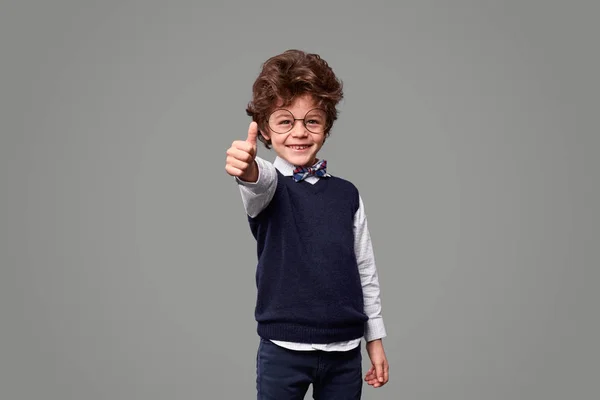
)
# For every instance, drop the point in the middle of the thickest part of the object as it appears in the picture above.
(256, 196)
(365, 258)
(256, 177)
(378, 374)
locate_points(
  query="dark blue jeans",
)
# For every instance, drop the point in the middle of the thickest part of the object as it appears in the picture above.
(283, 374)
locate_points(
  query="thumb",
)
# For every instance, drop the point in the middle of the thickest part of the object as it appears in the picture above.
(252, 133)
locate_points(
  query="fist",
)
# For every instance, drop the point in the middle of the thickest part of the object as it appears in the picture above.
(240, 156)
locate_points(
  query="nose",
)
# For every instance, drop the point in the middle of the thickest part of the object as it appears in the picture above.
(299, 130)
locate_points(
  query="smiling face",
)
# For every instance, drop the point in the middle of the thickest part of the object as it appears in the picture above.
(299, 146)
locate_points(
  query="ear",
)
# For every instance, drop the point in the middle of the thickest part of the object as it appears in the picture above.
(264, 135)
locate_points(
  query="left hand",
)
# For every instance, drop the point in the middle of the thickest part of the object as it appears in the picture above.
(378, 374)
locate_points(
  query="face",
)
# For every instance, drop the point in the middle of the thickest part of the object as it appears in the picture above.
(299, 146)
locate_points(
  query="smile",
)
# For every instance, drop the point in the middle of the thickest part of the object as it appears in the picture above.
(299, 147)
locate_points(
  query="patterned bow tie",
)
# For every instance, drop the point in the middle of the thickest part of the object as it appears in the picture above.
(319, 169)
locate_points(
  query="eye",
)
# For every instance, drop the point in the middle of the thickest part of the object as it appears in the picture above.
(284, 122)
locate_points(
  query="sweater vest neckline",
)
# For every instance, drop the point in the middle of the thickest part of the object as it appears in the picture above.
(316, 187)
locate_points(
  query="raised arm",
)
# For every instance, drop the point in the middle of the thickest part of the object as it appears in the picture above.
(257, 178)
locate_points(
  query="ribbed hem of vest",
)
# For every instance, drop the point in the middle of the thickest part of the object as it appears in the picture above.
(301, 334)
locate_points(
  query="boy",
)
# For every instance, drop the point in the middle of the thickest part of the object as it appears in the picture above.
(318, 289)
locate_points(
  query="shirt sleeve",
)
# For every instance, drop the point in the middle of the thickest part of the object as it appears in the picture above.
(256, 196)
(375, 328)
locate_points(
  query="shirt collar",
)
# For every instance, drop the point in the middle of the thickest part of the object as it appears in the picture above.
(285, 167)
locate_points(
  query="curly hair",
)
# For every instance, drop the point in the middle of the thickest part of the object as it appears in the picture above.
(287, 76)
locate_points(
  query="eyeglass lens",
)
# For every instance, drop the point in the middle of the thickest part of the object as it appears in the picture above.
(282, 121)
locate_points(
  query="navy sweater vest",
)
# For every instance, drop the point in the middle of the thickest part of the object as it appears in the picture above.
(308, 283)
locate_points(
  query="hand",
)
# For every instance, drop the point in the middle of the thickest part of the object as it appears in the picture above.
(378, 374)
(240, 156)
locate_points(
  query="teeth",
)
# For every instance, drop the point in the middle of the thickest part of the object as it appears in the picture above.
(299, 147)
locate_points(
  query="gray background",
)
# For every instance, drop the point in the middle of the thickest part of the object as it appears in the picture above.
(126, 261)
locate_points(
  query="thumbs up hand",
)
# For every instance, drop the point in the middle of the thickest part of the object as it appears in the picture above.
(240, 156)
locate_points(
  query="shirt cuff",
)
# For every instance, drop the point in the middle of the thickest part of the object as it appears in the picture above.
(374, 329)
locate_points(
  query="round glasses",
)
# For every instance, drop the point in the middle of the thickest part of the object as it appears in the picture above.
(282, 121)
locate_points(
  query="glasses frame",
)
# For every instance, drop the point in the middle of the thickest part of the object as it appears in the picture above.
(298, 119)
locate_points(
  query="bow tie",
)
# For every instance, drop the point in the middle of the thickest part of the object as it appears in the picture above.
(319, 169)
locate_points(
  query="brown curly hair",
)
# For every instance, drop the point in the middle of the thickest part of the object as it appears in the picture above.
(287, 76)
